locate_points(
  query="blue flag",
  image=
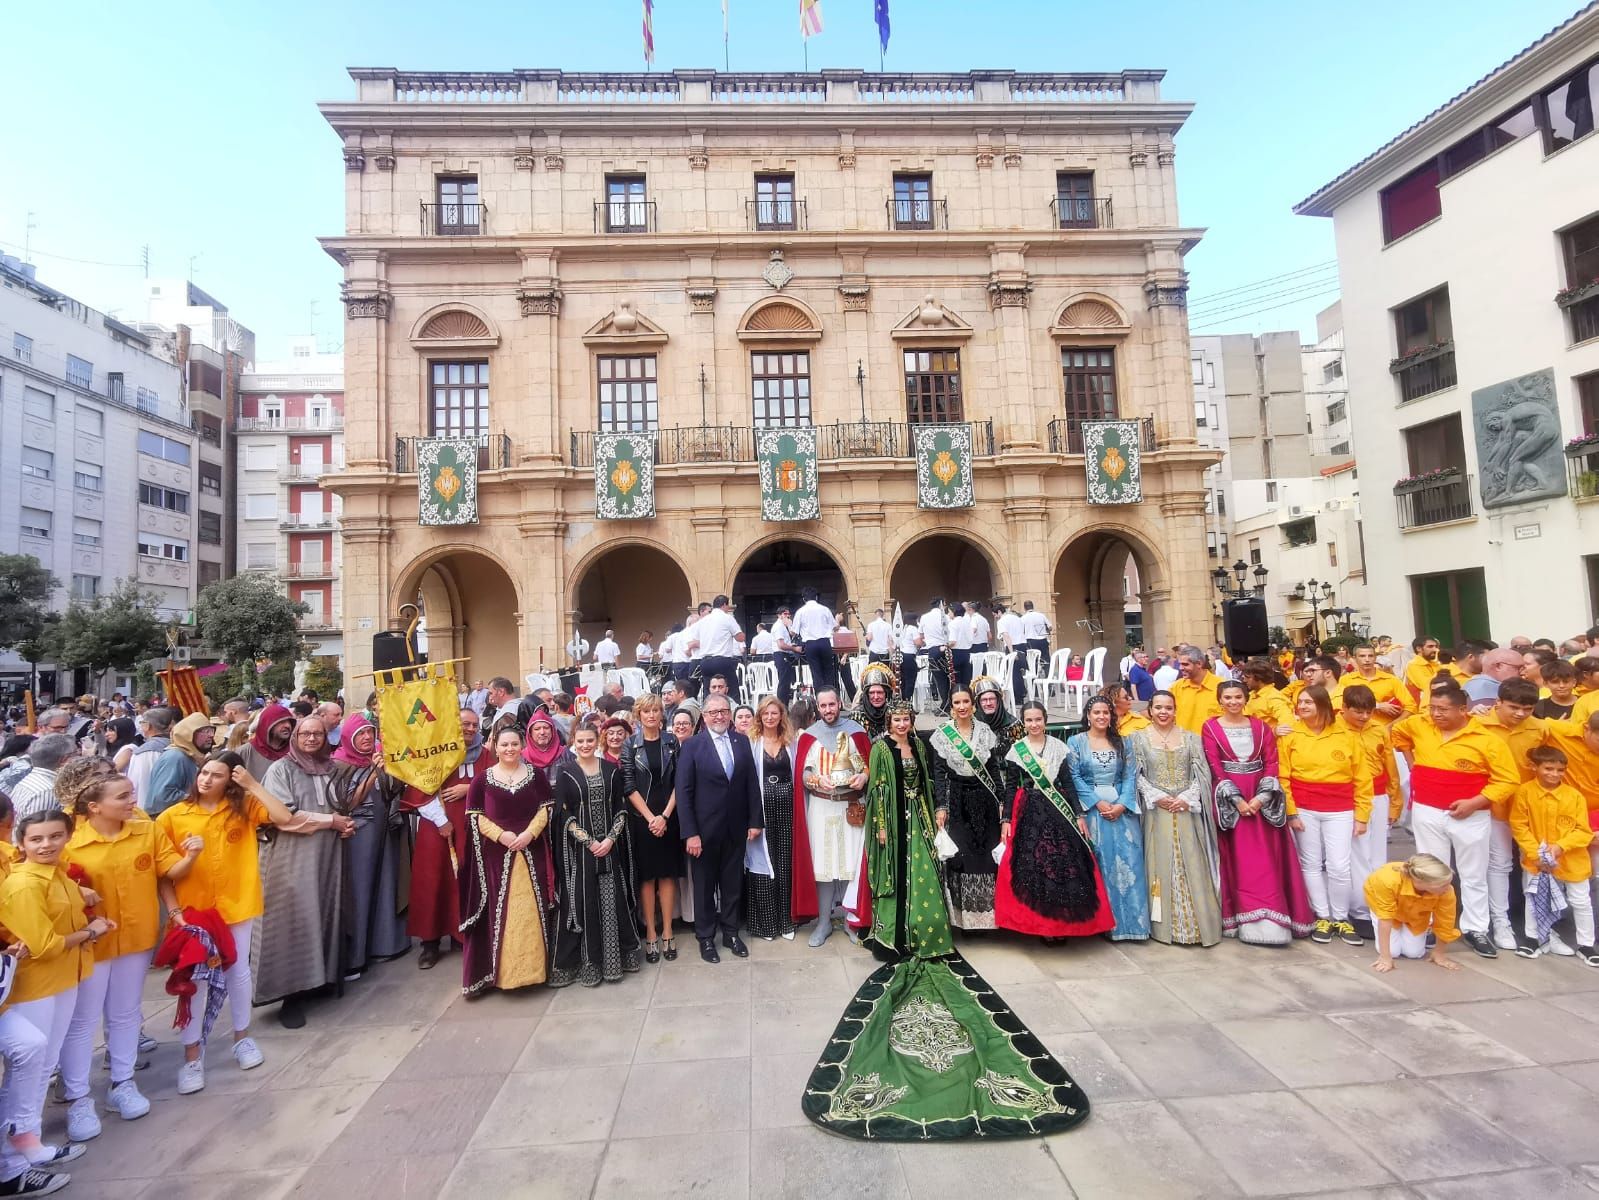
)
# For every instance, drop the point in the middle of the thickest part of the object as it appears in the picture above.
(881, 13)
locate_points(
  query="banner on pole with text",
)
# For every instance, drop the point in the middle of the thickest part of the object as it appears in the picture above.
(788, 474)
(446, 479)
(419, 724)
(624, 476)
(944, 466)
(1112, 454)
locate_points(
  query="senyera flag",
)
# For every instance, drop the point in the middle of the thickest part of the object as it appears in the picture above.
(810, 17)
(184, 691)
(649, 32)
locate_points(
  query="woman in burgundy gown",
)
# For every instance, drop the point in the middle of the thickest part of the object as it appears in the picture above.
(507, 881)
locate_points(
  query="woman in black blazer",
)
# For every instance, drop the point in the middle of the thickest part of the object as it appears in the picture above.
(649, 769)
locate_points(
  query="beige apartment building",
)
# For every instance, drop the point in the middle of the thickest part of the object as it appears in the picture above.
(533, 258)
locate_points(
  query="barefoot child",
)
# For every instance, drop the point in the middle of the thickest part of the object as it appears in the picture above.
(1408, 900)
(1549, 819)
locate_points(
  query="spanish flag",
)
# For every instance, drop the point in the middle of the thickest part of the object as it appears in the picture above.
(810, 17)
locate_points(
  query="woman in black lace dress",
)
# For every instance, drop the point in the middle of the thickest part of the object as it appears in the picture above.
(769, 899)
(968, 776)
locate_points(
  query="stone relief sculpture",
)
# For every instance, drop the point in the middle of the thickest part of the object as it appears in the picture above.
(1518, 440)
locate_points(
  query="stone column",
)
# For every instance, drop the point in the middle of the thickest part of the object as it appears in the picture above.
(537, 342)
(1009, 293)
(366, 586)
(867, 522)
(368, 432)
(542, 588)
(1028, 573)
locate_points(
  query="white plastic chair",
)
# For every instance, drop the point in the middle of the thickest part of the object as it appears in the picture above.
(760, 679)
(922, 698)
(1080, 691)
(633, 680)
(993, 662)
(535, 681)
(1044, 686)
(1006, 677)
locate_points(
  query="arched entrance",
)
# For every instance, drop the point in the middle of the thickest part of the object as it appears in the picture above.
(469, 608)
(629, 588)
(775, 574)
(940, 565)
(1104, 586)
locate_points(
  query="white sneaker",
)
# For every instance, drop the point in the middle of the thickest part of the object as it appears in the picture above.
(1502, 936)
(127, 1100)
(247, 1054)
(191, 1077)
(83, 1123)
(1559, 948)
(147, 1044)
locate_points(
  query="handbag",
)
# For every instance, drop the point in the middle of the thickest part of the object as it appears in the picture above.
(855, 813)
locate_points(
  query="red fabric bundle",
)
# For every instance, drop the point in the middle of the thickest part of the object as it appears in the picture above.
(183, 951)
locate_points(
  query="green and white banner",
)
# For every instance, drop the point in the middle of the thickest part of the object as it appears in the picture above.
(1112, 454)
(944, 466)
(446, 480)
(624, 476)
(788, 474)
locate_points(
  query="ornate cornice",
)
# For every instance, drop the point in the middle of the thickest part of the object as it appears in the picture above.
(702, 299)
(855, 296)
(362, 302)
(540, 301)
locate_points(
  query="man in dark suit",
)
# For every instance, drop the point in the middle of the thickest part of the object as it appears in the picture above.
(719, 807)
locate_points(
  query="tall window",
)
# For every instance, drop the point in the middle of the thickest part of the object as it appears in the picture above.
(458, 208)
(89, 420)
(1588, 402)
(22, 347)
(1569, 105)
(1580, 248)
(913, 202)
(210, 479)
(626, 209)
(933, 386)
(782, 388)
(628, 399)
(36, 522)
(87, 475)
(1090, 390)
(1074, 199)
(1421, 326)
(80, 372)
(85, 587)
(211, 528)
(459, 399)
(116, 386)
(1436, 445)
(1410, 203)
(86, 531)
(39, 405)
(38, 464)
(774, 202)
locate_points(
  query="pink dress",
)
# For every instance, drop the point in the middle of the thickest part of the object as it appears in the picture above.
(1263, 897)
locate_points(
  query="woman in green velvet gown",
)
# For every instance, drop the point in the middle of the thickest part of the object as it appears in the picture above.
(926, 1050)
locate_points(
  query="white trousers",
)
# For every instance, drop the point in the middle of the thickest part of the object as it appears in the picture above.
(114, 993)
(1466, 842)
(1366, 853)
(1404, 944)
(1324, 857)
(22, 1046)
(240, 987)
(51, 1016)
(1581, 908)
(1501, 858)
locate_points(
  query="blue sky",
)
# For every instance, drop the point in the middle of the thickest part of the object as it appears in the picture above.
(193, 129)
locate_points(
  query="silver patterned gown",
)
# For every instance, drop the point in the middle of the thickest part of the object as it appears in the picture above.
(1179, 847)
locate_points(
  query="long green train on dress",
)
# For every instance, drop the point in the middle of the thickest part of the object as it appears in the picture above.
(926, 1049)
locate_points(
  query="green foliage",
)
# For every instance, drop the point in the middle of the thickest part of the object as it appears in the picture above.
(1340, 641)
(112, 632)
(246, 618)
(25, 588)
(323, 676)
(1278, 636)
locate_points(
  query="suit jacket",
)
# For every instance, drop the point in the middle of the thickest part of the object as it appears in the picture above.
(709, 804)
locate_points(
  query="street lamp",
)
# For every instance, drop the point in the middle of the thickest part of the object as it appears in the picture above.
(1241, 590)
(1243, 607)
(1320, 594)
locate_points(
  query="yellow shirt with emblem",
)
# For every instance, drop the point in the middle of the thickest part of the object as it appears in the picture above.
(227, 875)
(1418, 675)
(1518, 739)
(123, 871)
(1333, 756)
(1391, 896)
(1384, 686)
(1552, 817)
(40, 906)
(1196, 702)
(1381, 763)
(1271, 706)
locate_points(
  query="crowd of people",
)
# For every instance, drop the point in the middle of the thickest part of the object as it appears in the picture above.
(267, 854)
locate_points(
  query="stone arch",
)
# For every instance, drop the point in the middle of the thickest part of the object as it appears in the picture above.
(471, 607)
(760, 581)
(1092, 314)
(992, 555)
(950, 562)
(454, 324)
(1088, 579)
(782, 318)
(627, 584)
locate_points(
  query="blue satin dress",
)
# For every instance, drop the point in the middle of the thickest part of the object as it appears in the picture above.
(1119, 844)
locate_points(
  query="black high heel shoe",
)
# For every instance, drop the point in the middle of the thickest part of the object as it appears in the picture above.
(651, 954)
(669, 949)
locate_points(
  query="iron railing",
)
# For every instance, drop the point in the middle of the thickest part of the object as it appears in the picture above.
(454, 219)
(1435, 503)
(493, 452)
(309, 570)
(1066, 434)
(736, 443)
(1582, 474)
(329, 422)
(916, 214)
(1426, 376)
(1081, 212)
(625, 215)
(303, 521)
(1584, 319)
(775, 214)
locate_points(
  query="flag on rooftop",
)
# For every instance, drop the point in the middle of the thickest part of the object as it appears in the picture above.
(880, 11)
(649, 33)
(810, 17)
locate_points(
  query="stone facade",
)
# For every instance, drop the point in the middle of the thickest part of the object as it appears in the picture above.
(541, 290)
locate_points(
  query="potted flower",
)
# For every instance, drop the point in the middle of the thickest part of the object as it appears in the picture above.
(1415, 483)
(1578, 292)
(1583, 445)
(1418, 355)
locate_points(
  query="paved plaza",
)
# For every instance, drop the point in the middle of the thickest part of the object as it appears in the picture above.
(1223, 1072)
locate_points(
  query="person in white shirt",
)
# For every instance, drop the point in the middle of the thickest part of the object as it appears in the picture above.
(960, 646)
(980, 630)
(910, 642)
(813, 630)
(762, 644)
(644, 652)
(719, 639)
(785, 653)
(879, 639)
(935, 640)
(1013, 639)
(1035, 628)
(607, 652)
(675, 650)
(1166, 675)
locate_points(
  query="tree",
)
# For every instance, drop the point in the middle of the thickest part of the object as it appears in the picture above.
(246, 618)
(112, 632)
(25, 588)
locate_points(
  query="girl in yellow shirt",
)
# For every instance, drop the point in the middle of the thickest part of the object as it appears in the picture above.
(43, 910)
(127, 859)
(1408, 900)
(221, 869)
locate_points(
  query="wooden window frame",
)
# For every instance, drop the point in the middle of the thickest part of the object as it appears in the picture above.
(478, 426)
(766, 373)
(643, 414)
(933, 386)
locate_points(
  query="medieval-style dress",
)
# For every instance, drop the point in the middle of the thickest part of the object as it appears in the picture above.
(1101, 776)
(377, 856)
(967, 780)
(1179, 847)
(507, 896)
(769, 899)
(301, 942)
(1049, 882)
(1263, 896)
(927, 1050)
(598, 938)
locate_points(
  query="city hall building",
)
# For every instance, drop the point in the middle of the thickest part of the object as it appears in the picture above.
(616, 343)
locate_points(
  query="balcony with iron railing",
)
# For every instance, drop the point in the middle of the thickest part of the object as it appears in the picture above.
(1438, 499)
(929, 214)
(1066, 434)
(690, 444)
(1081, 212)
(763, 215)
(1425, 371)
(1582, 469)
(308, 471)
(309, 570)
(308, 522)
(493, 452)
(625, 216)
(317, 623)
(454, 219)
(330, 422)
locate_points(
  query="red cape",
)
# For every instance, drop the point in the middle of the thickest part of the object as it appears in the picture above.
(802, 907)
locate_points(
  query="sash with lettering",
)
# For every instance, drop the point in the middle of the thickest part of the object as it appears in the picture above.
(964, 749)
(1035, 771)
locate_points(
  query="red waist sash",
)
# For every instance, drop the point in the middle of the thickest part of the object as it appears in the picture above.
(1379, 785)
(1438, 787)
(1322, 797)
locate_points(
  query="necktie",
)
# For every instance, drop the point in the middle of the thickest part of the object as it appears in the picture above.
(724, 751)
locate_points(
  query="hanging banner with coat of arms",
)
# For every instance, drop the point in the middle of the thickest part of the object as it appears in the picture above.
(446, 480)
(1112, 453)
(788, 474)
(944, 466)
(624, 476)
